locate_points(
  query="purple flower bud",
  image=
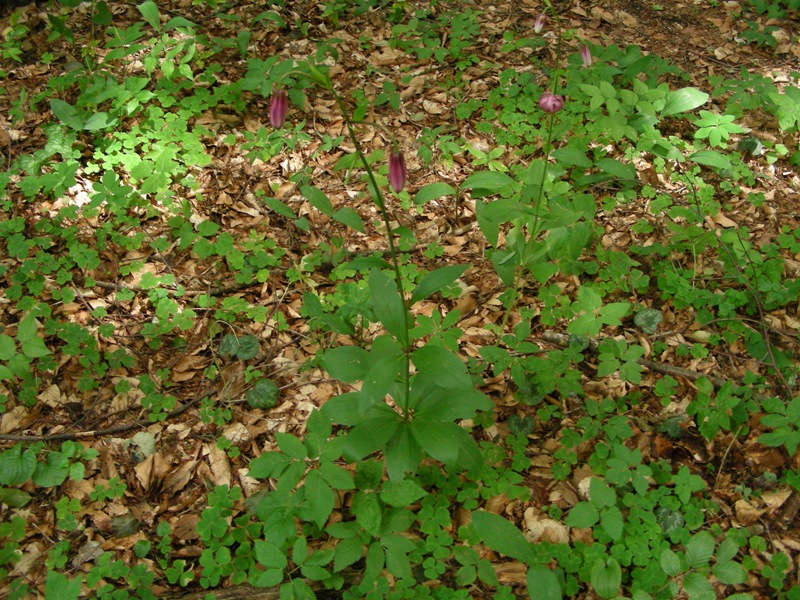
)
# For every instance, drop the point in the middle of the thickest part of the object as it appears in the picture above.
(550, 102)
(538, 26)
(586, 56)
(278, 107)
(397, 171)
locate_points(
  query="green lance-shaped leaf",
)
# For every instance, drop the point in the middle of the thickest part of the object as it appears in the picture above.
(437, 280)
(388, 306)
(501, 536)
(683, 100)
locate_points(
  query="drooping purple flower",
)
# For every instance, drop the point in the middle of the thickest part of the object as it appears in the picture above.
(397, 171)
(278, 107)
(586, 56)
(550, 102)
(538, 26)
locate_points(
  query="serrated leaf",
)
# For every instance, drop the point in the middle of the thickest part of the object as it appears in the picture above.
(337, 477)
(700, 549)
(269, 464)
(501, 536)
(319, 498)
(367, 510)
(402, 493)
(348, 551)
(727, 550)
(612, 522)
(583, 515)
(291, 446)
(60, 587)
(446, 442)
(601, 493)
(697, 586)
(670, 562)
(269, 555)
(683, 100)
(8, 348)
(371, 434)
(729, 572)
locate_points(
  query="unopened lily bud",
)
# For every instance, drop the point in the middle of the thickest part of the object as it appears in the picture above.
(550, 102)
(586, 56)
(278, 107)
(538, 26)
(397, 171)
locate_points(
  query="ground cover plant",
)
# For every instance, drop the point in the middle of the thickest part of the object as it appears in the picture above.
(399, 300)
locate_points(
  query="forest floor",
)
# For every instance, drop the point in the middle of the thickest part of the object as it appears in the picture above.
(702, 38)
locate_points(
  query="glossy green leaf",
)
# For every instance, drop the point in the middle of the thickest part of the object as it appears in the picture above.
(371, 434)
(437, 280)
(150, 12)
(67, 114)
(280, 208)
(14, 498)
(318, 199)
(432, 191)
(487, 181)
(347, 216)
(711, 158)
(502, 536)
(447, 368)
(683, 100)
(606, 577)
(346, 363)
(16, 466)
(388, 306)
(543, 584)
(53, 471)
(446, 442)
(571, 156)
(729, 572)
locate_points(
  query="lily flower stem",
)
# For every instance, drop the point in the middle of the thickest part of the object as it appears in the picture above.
(398, 277)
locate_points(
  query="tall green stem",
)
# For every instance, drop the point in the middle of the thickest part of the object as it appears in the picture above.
(398, 277)
(548, 144)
